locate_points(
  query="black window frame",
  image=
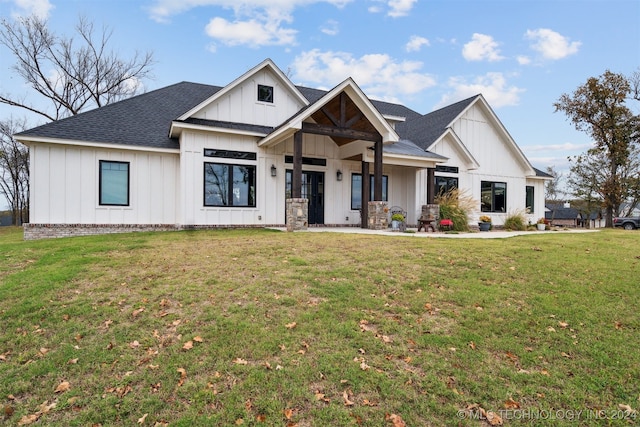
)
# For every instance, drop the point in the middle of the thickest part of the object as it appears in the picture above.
(530, 200)
(491, 204)
(385, 189)
(265, 93)
(450, 182)
(101, 181)
(229, 190)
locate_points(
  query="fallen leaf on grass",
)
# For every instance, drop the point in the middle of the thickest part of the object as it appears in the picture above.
(134, 344)
(396, 420)
(288, 413)
(142, 419)
(239, 361)
(62, 387)
(291, 325)
(322, 397)
(72, 361)
(28, 419)
(188, 345)
(183, 375)
(198, 339)
(345, 397)
(137, 312)
(511, 404)
(628, 409)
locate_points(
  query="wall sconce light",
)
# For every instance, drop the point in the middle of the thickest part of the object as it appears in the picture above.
(339, 175)
(274, 171)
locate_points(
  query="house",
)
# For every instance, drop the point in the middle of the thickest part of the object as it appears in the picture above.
(262, 151)
(576, 215)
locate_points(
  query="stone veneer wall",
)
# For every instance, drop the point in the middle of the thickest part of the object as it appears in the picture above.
(297, 214)
(49, 231)
(378, 216)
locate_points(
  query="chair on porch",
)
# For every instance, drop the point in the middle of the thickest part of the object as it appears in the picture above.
(402, 225)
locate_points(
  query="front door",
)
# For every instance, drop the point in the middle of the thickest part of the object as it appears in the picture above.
(313, 190)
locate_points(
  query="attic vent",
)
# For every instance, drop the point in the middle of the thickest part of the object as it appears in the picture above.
(226, 154)
(265, 93)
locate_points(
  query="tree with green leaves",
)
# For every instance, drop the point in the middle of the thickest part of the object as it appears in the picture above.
(599, 108)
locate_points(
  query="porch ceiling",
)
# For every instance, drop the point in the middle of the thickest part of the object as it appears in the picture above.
(342, 121)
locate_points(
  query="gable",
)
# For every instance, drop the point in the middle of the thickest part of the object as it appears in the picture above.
(486, 139)
(240, 101)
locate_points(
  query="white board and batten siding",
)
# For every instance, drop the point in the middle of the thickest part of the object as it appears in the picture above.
(241, 105)
(65, 186)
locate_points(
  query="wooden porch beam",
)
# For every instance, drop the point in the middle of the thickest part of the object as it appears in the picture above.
(296, 178)
(377, 171)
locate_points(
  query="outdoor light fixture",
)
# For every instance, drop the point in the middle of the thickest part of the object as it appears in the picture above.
(274, 171)
(339, 175)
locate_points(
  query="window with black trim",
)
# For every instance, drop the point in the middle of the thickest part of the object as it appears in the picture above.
(493, 196)
(444, 184)
(114, 183)
(265, 93)
(229, 185)
(530, 200)
(356, 189)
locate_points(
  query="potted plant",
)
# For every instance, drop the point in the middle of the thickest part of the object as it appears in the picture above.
(541, 224)
(396, 220)
(485, 223)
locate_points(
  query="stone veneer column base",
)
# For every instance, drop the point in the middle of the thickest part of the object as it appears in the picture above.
(297, 214)
(378, 218)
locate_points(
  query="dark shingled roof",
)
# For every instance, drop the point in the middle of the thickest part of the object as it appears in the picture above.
(145, 120)
(542, 174)
(408, 148)
(142, 120)
(425, 130)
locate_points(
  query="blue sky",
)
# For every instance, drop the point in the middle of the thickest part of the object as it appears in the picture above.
(520, 54)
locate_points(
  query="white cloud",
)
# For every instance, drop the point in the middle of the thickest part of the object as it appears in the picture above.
(252, 32)
(380, 76)
(400, 7)
(481, 47)
(551, 45)
(40, 8)
(163, 10)
(523, 60)
(493, 86)
(330, 28)
(415, 43)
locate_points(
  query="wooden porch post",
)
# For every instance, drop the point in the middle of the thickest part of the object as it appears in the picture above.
(296, 178)
(366, 190)
(431, 186)
(377, 171)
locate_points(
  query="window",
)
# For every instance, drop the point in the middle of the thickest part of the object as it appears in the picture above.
(265, 93)
(229, 185)
(356, 190)
(530, 200)
(493, 196)
(226, 154)
(114, 183)
(445, 184)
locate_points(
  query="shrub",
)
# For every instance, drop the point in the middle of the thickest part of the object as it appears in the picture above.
(456, 206)
(515, 222)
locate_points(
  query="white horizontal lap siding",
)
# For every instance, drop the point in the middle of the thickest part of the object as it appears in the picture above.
(65, 186)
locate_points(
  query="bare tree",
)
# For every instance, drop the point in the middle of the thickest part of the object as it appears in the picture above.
(14, 171)
(71, 74)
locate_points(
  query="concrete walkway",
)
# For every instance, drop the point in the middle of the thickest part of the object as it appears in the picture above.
(412, 232)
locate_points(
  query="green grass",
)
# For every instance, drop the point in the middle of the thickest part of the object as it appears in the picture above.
(284, 326)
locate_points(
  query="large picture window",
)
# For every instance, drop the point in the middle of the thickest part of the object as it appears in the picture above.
(530, 200)
(229, 185)
(356, 190)
(493, 196)
(114, 183)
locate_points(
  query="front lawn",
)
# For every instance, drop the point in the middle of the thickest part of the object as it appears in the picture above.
(256, 327)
